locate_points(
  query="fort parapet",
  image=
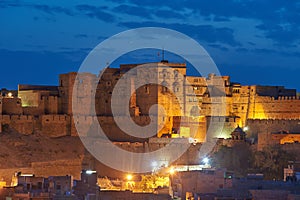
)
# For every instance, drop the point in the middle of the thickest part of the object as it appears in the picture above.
(48, 109)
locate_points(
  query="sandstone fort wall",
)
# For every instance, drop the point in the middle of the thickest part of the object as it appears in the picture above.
(257, 126)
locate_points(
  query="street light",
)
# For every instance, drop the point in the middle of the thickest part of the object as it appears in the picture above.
(172, 171)
(90, 172)
(129, 177)
(205, 160)
(154, 164)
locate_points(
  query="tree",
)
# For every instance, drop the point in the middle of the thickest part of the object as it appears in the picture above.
(238, 158)
(271, 161)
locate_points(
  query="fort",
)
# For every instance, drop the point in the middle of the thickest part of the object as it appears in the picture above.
(191, 104)
(194, 107)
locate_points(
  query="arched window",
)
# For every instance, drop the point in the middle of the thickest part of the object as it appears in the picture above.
(176, 87)
(195, 111)
(176, 74)
(165, 86)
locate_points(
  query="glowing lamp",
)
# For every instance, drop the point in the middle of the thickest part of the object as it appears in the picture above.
(205, 160)
(129, 177)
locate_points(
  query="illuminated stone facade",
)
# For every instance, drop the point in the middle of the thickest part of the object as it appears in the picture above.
(270, 139)
(190, 103)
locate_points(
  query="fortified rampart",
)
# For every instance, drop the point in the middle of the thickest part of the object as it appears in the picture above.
(259, 126)
(24, 124)
(50, 125)
(285, 107)
(282, 138)
(196, 101)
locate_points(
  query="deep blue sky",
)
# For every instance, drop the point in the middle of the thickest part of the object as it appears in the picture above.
(253, 41)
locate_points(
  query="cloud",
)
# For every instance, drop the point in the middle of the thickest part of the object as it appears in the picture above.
(282, 35)
(264, 51)
(96, 12)
(118, 1)
(221, 19)
(147, 12)
(279, 20)
(100, 12)
(242, 50)
(218, 46)
(206, 33)
(168, 14)
(80, 36)
(252, 43)
(134, 11)
(48, 19)
(41, 7)
(53, 9)
(267, 52)
(11, 3)
(226, 9)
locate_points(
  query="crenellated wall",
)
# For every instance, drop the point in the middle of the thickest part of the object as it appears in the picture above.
(11, 106)
(258, 126)
(50, 125)
(55, 125)
(24, 124)
(271, 108)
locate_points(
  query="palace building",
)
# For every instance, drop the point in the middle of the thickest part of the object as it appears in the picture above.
(189, 106)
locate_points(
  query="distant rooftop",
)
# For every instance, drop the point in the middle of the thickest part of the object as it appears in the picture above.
(37, 87)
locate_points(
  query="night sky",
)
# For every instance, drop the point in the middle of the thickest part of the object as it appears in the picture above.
(253, 41)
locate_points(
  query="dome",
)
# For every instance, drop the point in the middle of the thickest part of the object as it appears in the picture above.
(238, 134)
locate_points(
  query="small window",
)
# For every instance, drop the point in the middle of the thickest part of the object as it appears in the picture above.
(58, 187)
(146, 89)
(176, 73)
(40, 185)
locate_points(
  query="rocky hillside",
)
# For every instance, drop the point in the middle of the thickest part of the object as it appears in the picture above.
(18, 150)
